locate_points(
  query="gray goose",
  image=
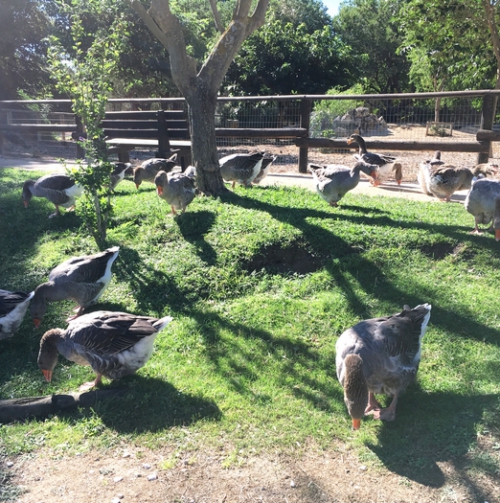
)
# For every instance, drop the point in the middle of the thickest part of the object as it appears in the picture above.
(82, 279)
(59, 189)
(241, 168)
(147, 171)
(386, 163)
(483, 202)
(178, 189)
(265, 167)
(114, 344)
(13, 307)
(333, 181)
(380, 355)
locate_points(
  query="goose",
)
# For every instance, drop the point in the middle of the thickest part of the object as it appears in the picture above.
(483, 202)
(425, 169)
(380, 355)
(264, 169)
(178, 189)
(59, 189)
(118, 174)
(333, 181)
(386, 163)
(147, 171)
(241, 168)
(13, 307)
(443, 180)
(82, 279)
(114, 344)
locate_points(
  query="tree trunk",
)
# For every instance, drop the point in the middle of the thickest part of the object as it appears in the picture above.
(201, 110)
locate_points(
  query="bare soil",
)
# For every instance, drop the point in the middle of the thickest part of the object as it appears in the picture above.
(130, 474)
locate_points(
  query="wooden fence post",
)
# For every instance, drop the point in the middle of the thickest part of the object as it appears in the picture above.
(487, 120)
(305, 120)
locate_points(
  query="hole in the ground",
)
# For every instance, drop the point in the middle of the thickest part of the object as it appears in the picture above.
(278, 259)
(438, 251)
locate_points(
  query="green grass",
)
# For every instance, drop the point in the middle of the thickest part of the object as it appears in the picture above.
(247, 365)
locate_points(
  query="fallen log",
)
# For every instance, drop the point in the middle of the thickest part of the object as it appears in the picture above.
(19, 409)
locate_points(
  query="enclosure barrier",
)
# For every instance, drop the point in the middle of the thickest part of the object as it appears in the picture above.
(301, 120)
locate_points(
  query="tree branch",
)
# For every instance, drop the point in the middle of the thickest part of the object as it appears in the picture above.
(148, 21)
(215, 12)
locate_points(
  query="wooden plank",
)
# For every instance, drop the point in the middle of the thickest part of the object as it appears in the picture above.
(455, 146)
(487, 135)
(131, 142)
(28, 128)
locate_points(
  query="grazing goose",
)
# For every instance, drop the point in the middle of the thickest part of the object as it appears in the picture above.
(380, 355)
(147, 171)
(82, 279)
(121, 170)
(443, 180)
(178, 189)
(13, 307)
(241, 168)
(483, 202)
(333, 181)
(386, 164)
(114, 344)
(264, 169)
(59, 189)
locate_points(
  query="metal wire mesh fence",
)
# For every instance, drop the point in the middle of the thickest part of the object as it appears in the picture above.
(406, 117)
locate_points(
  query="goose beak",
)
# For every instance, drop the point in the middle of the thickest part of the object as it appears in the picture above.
(47, 374)
(497, 234)
(25, 204)
(137, 185)
(356, 424)
(159, 190)
(36, 322)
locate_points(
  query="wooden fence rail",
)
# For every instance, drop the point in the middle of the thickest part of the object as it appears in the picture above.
(300, 134)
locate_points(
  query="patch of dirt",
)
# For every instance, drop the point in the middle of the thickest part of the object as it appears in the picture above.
(130, 474)
(293, 259)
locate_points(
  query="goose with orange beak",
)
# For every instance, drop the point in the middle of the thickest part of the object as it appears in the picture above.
(380, 356)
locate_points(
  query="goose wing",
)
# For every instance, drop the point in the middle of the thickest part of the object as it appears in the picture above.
(107, 333)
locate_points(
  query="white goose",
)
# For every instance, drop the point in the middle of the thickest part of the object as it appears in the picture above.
(13, 307)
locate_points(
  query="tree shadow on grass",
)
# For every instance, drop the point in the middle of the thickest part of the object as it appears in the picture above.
(193, 227)
(149, 405)
(442, 429)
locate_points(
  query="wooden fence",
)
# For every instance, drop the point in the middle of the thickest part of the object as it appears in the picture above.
(298, 131)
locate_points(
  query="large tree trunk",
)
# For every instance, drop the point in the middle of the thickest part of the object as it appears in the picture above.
(201, 111)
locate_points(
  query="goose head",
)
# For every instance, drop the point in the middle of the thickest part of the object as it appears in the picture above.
(355, 389)
(48, 354)
(27, 194)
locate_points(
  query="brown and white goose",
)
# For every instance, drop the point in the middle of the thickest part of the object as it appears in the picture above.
(147, 171)
(386, 164)
(333, 181)
(483, 202)
(13, 307)
(114, 344)
(59, 189)
(82, 279)
(380, 355)
(443, 180)
(241, 168)
(178, 189)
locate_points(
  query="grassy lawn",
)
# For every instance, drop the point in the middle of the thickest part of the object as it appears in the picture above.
(260, 284)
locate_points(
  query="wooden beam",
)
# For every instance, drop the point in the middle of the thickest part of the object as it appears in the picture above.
(455, 146)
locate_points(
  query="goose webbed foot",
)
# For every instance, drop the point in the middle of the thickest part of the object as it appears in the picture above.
(373, 404)
(91, 384)
(389, 413)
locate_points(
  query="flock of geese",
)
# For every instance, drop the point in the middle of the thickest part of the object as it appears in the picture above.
(375, 356)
